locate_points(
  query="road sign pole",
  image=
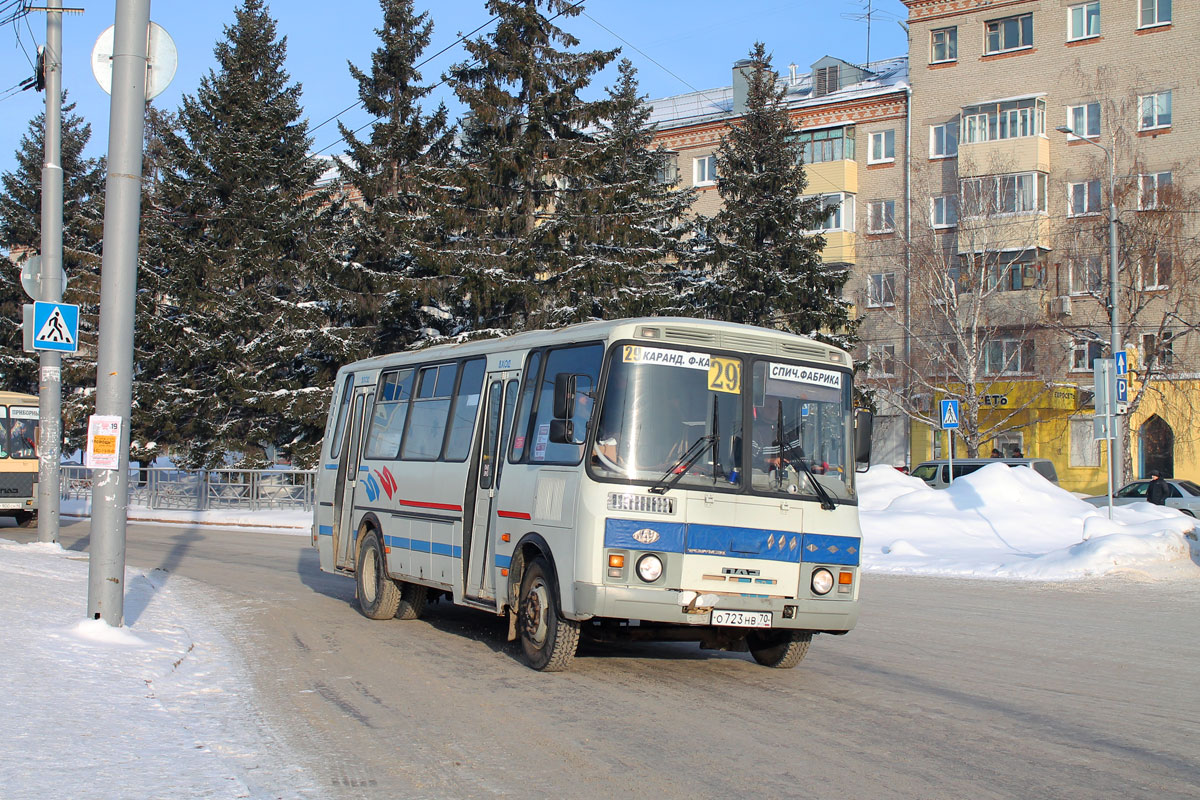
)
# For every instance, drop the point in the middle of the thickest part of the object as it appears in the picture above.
(118, 286)
(50, 361)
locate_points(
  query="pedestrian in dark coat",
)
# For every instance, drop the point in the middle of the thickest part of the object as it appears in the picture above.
(1158, 490)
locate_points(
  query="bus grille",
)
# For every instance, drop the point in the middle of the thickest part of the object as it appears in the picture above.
(16, 485)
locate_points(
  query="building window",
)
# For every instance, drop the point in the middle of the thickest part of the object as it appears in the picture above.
(1087, 276)
(943, 45)
(1008, 357)
(1083, 21)
(704, 170)
(826, 80)
(1083, 198)
(943, 211)
(881, 360)
(667, 171)
(830, 144)
(1085, 449)
(1007, 120)
(1014, 274)
(881, 289)
(883, 147)
(1022, 193)
(839, 210)
(881, 216)
(1155, 272)
(1083, 353)
(943, 140)
(1154, 12)
(1154, 111)
(1084, 121)
(1158, 351)
(1009, 33)
(1152, 187)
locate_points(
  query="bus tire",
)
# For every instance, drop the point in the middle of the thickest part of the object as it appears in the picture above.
(548, 641)
(412, 600)
(779, 649)
(378, 595)
(26, 519)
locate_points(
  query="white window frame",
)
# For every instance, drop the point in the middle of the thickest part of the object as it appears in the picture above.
(1082, 119)
(881, 216)
(1163, 347)
(1087, 192)
(1008, 348)
(943, 140)
(1154, 111)
(881, 290)
(1155, 8)
(1082, 353)
(1028, 194)
(1081, 268)
(943, 211)
(881, 361)
(1010, 119)
(887, 147)
(1002, 47)
(706, 166)
(840, 218)
(949, 44)
(1149, 186)
(1083, 10)
(1153, 262)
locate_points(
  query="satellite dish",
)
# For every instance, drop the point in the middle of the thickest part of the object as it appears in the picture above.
(162, 61)
(31, 277)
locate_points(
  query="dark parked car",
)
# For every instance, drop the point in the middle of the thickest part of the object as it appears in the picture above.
(1181, 494)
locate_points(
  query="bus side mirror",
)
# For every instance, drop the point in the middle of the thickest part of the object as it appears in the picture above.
(564, 396)
(864, 423)
(562, 431)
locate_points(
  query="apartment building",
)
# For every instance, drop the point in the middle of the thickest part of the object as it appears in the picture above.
(851, 122)
(1029, 118)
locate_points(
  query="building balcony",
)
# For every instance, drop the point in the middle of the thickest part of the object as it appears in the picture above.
(832, 176)
(1022, 154)
(839, 247)
(1004, 233)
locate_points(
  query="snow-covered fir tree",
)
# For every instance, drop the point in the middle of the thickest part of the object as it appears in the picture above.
(388, 285)
(619, 261)
(233, 236)
(21, 234)
(764, 269)
(524, 144)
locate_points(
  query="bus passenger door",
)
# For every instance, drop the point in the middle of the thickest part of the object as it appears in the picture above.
(347, 480)
(480, 549)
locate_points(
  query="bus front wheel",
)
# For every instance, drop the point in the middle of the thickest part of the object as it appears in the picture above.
(779, 649)
(548, 640)
(378, 595)
(26, 519)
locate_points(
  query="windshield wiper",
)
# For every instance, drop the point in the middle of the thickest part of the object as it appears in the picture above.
(823, 495)
(677, 470)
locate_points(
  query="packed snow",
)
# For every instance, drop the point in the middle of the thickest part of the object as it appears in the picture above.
(162, 708)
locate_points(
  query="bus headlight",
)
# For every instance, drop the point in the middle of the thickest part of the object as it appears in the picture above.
(822, 581)
(650, 568)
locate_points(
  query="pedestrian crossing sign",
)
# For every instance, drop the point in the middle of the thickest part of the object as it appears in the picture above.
(56, 327)
(949, 414)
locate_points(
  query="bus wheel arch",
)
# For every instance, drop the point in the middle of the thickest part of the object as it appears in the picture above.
(378, 594)
(548, 639)
(529, 547)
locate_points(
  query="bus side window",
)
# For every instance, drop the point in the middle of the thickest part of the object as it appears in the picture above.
(466, 406)
(335, 442)
(430, 409)
(391, 410)
(583, 361)
(522, 421)
(3, 432)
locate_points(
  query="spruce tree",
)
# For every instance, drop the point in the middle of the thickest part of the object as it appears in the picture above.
(21, 232)
(618, 261)
(234, 240)
(764, 270)
(524, 145)
(388, 283)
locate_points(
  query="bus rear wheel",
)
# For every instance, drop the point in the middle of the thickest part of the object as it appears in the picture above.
(779, 649)
(412, 600)
(378, 595)
(26, 519)
(548, 640)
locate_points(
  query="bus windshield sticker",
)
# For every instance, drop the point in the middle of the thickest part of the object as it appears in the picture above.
(24, 412)
(725, 375)
(539, 445)
(797, 374)
(636, 354)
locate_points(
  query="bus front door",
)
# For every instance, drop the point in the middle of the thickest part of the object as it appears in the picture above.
(347, 480)
(479, 550)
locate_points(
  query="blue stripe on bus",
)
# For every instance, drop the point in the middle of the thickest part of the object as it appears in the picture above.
(668, 537)
(421, 546)
(325, 530)
(503, 562)
(826, 549)
(331, 466)
(364, 469)
(732, 542)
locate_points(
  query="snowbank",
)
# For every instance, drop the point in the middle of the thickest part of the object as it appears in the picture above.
(1002, 522)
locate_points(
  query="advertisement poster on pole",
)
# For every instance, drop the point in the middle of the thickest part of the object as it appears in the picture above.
(103, 438)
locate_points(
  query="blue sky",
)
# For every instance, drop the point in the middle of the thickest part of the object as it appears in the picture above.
(684, 46)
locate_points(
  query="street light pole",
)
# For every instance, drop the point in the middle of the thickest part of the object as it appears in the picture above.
(1114, 313)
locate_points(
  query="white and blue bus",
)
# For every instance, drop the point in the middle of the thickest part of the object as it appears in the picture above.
(659, 478)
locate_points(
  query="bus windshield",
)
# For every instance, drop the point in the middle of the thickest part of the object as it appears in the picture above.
(18, 432)
(676, 418)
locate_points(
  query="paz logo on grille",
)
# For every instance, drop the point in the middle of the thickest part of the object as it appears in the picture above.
(646, 535)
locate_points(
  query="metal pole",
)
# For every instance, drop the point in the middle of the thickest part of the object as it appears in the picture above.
(118, 286)
(50, 361)
(1114, 313)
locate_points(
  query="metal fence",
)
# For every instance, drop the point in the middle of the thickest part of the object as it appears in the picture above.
(167, 487)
